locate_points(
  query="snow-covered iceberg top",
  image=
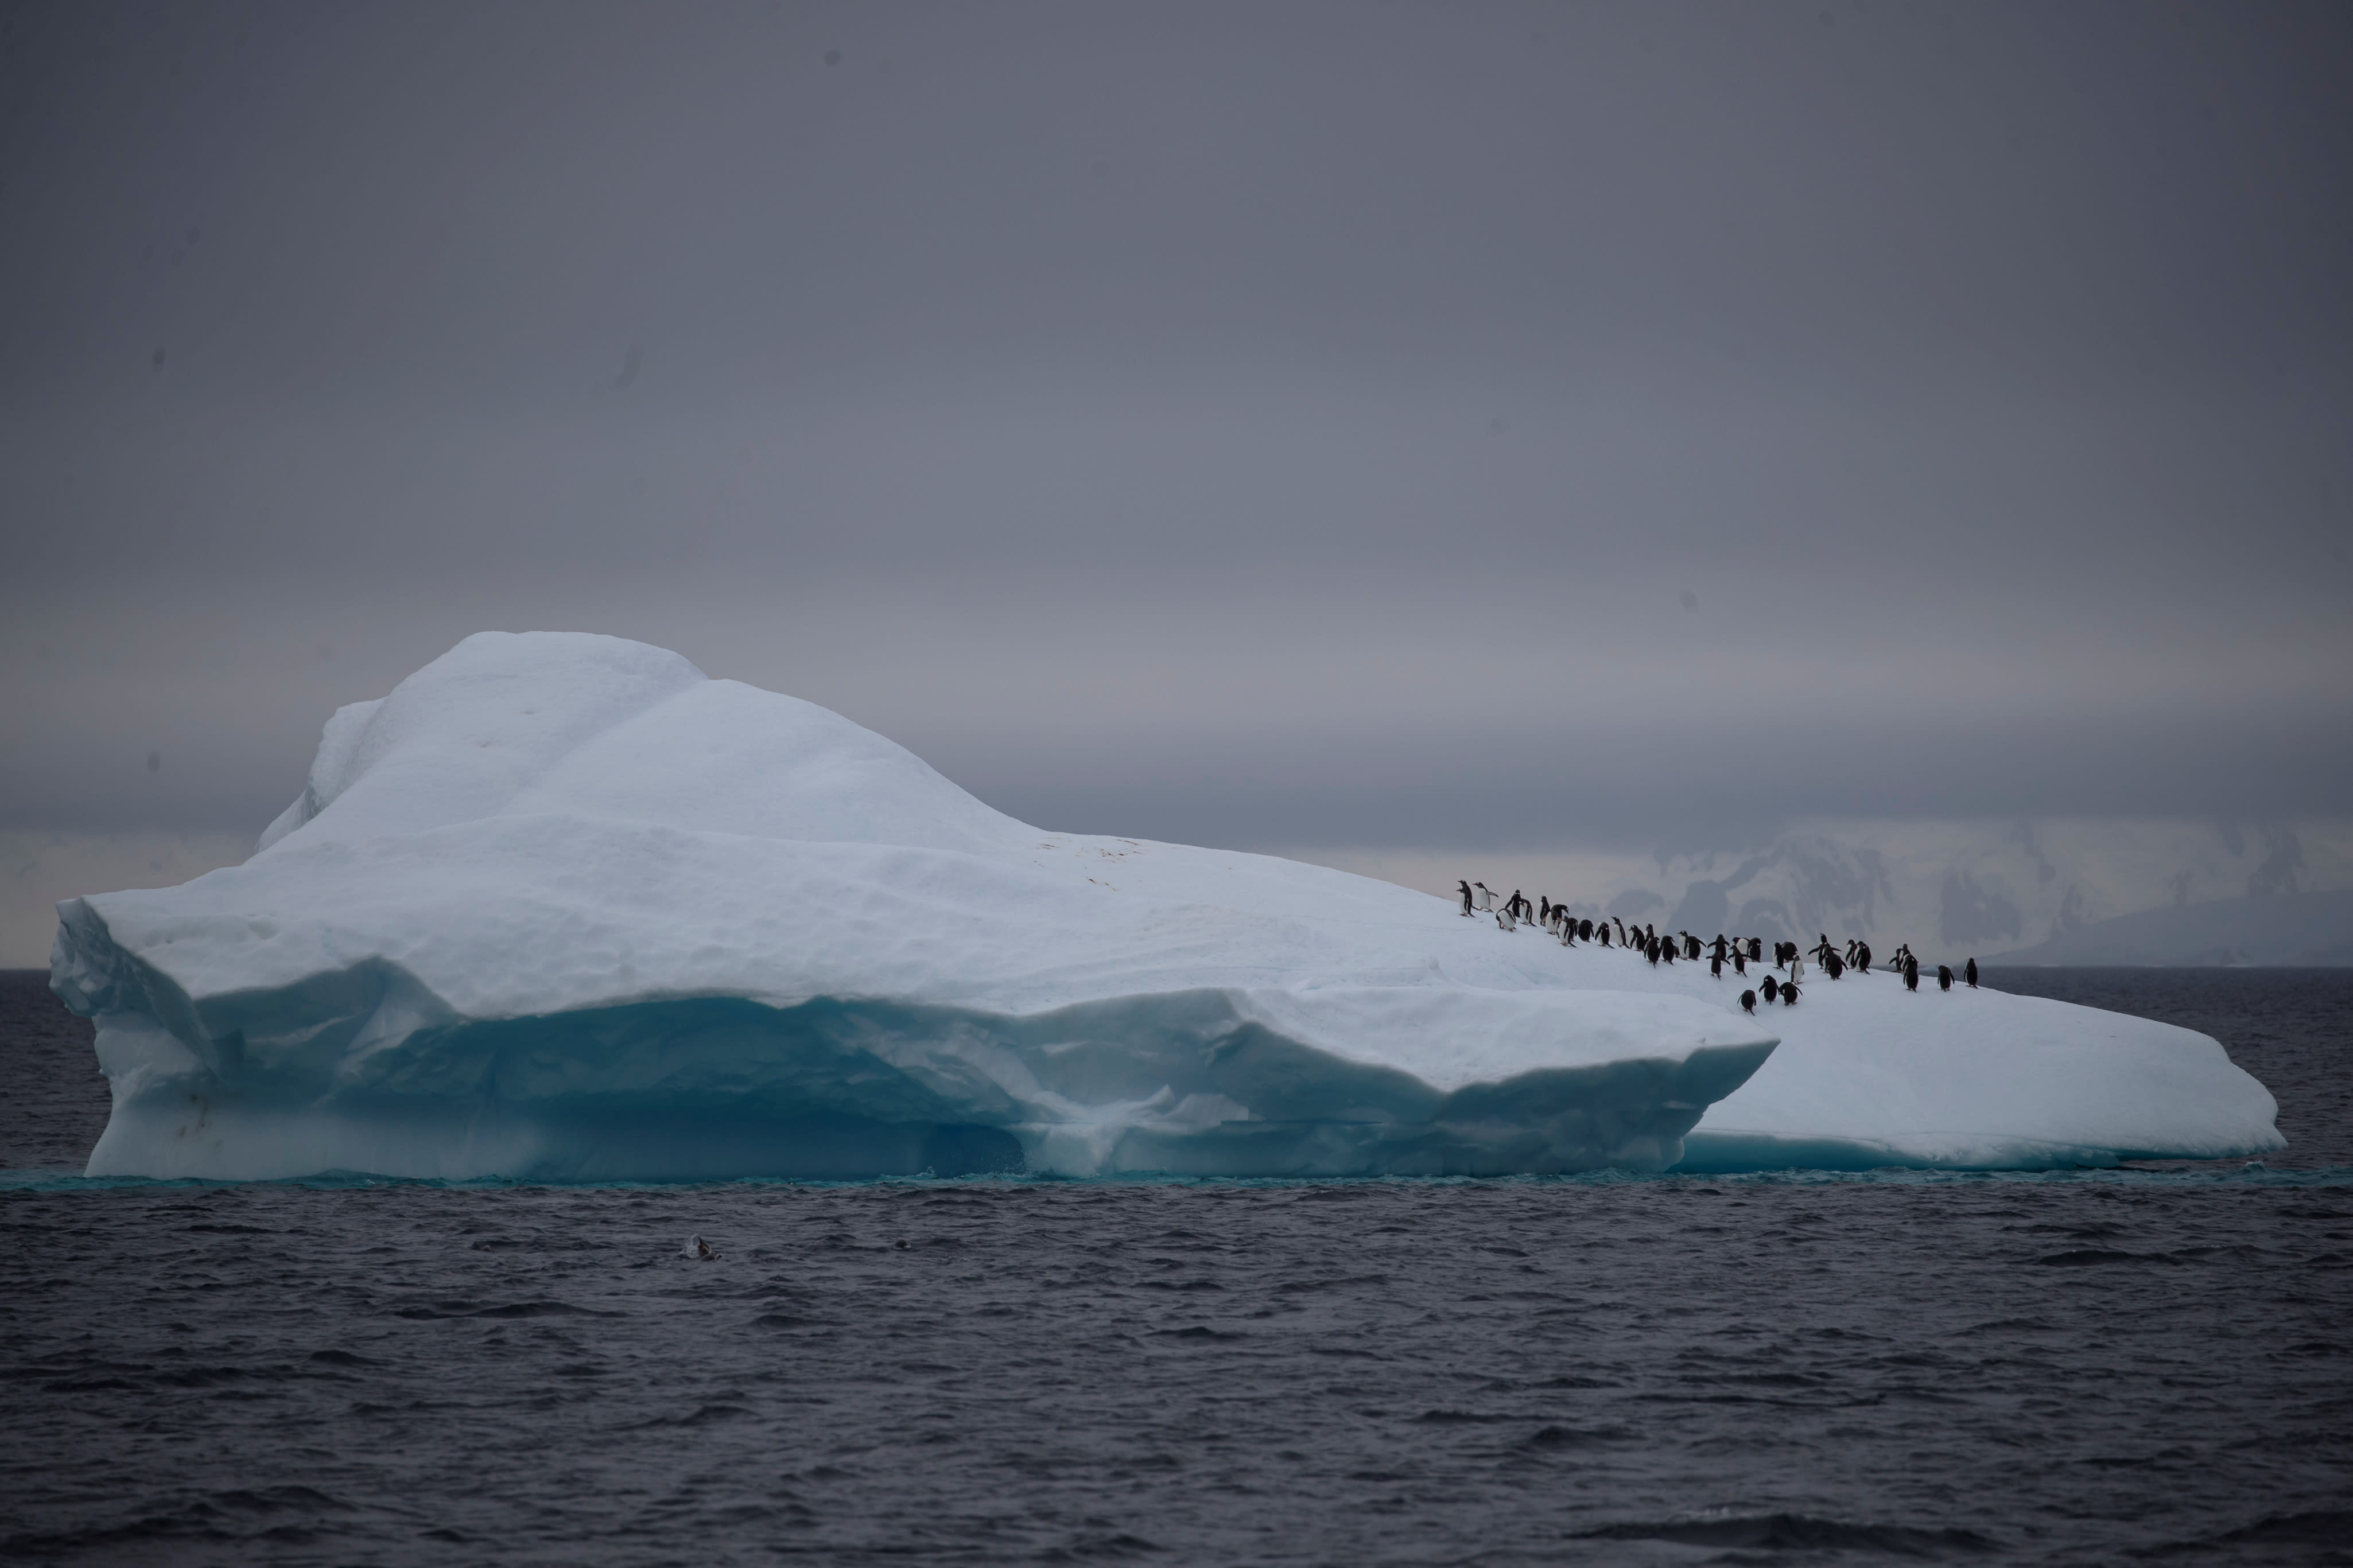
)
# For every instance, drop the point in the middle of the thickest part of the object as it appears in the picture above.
(561, 906)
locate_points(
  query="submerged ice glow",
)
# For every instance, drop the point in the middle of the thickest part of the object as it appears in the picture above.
(561, 906)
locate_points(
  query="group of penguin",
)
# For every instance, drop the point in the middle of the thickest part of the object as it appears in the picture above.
(1740, 952)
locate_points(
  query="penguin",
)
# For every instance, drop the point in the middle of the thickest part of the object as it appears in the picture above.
(1715, 966)
(1719, 945)
(1944, 977)
(1691, 945)
(1543, 908)
(1464, 888)
(1772, 990)
(1970, 974)
(1740, 959)
(1833, 965)
(1790, 994)
(1504, 920)
(1667, 946)
(1911, 974)
(1486, 895)
(1621, 931)
(1748, 1001)
(1757, 949)
(1862, 956)
(1603, 938)
(1585, 929)
(1650, 950)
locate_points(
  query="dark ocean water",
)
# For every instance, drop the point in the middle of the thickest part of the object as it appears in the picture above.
(2150, 1364)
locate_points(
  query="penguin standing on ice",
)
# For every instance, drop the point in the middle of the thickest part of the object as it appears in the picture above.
(1543, 908)
(1748, 1002)
(1911, 974)
(1790, 994)
(1602, 934)
(1772, 990)
(1621, 931)
(1740, 959)
(1715, 966)
(1944, 977)
(1650, 950)
(1464, 888)
(1862, 956)
(1970, 974)
(1585, 931)
(1719, 947)
(1486, 898)
(1832, 965)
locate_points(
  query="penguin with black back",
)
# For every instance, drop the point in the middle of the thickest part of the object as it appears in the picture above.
(1772, 990)
(1862, 956)
(1788, 994)
(1748, 1002)
(1464, 888)
(1970, 974)
(1911, 974)
(1944, 977)
(1833, 965)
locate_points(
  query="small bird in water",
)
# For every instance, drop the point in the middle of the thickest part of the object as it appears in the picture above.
(699, 1250)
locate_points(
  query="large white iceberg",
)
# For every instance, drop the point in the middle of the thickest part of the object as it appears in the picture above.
(562, 907)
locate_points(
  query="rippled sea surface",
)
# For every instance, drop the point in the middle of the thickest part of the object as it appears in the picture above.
(2153, 1363)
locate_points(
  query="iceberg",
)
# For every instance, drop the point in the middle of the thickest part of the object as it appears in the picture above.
(561, 906)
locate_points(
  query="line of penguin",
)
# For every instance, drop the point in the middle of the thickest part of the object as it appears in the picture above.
(1740, 952)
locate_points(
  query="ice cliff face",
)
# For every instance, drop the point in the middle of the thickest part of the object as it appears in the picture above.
(562, 907)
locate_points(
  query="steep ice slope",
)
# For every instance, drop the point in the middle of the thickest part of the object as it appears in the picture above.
(559, 906)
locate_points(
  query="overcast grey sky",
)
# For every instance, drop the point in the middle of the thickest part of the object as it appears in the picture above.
(1261, 424)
